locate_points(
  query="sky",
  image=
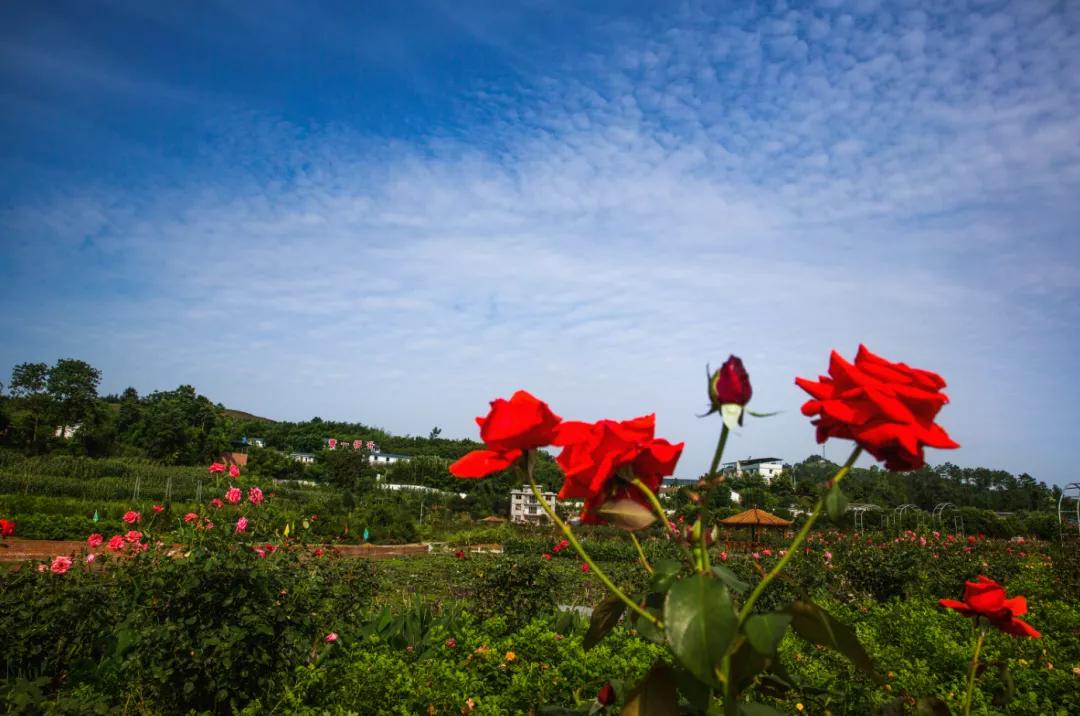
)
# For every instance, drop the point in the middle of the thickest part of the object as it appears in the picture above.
(396, 212)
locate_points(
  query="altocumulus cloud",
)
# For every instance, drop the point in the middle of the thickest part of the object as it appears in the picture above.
(773, 184)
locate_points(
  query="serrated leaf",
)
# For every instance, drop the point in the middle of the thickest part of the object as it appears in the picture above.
(629, 515)
(700, 622)
(605, 616)
(729, 578)
(664, 573)
(654, 696)
(764, 631)
(813, 623)
(836, 503)
(732, 415)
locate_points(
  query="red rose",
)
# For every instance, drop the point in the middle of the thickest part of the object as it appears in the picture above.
(7, 528)
(511, 428)
(730, 384)
(986, 598)
(606, 696)
(887, 408)
(594, 453)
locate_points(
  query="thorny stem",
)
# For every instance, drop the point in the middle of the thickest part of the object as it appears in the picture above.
(971, 674)
(569, 534)
(641, 553)
(744, 613)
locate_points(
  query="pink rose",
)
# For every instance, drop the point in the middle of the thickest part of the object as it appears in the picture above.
(546, 556)
(330, 638)
(234, 471)
(90, 558)
(255, 496)
(233, 495)
(158, 509)
(723, 556)
(132, 517)
(242, 524)
(95, 540)
(191, 517)
(216, 467)
(133, 536)
(451, 643)
(116, 543)
(61, 565)
(216, 502)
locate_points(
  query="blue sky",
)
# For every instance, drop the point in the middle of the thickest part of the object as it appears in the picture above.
(395, 212)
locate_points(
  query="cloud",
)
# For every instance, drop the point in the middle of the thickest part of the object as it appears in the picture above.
(772, 185)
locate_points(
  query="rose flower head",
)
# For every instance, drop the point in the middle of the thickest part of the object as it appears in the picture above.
(887, 408)
(985, 599)
(509, 430)
(730, 385)
(601, 459)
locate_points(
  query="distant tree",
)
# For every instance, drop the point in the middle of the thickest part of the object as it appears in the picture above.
(181, 427)
(72, 385)
(28, 386)
(435, 433)
(130, 411)
(348, 469)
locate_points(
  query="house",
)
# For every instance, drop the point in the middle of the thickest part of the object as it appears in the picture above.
(378, 457)
(253, 442)
(306, 458)
(67, 432)
(765, 467)
(526, 509)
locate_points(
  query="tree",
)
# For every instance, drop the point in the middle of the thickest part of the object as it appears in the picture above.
(181, 427)
(28, 384)
(72, 385)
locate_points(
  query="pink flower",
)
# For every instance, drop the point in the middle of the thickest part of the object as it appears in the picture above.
(216, 502)
(967, 550)
(217, 467)
(783, 552)
(42, 568)
(584, 567)
(260, 551)
(133, 536)
(234, 471)
(233, 495)
(755, 555)
(158, 509)
(95, 540)
(922, 541)
(767, 552)
(90, 558)
(190, 517)
(546, 556)
(828, 556)
(116, 543)
(208, 525)
(330, 638)
(242, 524)
(60, 565)
(132, 517)
(723, 556)
(451, 643)
(937, 535)
(255, 496)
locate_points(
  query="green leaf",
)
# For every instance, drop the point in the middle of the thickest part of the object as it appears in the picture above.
(700, 623)
(813, 623)
(836, 503)
(629, 515)
(654, 696)
(604, 618)
(764, 631)
(729, 578)
(764, 415)
(664, 573)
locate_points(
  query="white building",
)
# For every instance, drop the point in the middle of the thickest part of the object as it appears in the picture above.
(765, 467)
(304, 457)
(386, 458)
(525, 508)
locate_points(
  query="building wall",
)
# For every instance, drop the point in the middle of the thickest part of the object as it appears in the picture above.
(524, 507)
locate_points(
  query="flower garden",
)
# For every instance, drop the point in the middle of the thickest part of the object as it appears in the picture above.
(225, 605)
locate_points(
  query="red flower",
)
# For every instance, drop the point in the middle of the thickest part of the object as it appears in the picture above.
(730, 384)
(7, 528)
(595, 453)
(216, 467)
(511, 428)
(234, 471)
(584, 567)
(887, 408)
(132, 517)
(606, 696)
(459, 554)
(546, 556)
(986, 598)
(158, 509)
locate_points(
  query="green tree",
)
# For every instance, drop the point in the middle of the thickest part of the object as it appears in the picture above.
(28, 386)
(181, 427)
(72, 385)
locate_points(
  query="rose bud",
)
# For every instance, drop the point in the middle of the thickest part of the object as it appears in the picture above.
(606, 696)
(730, 384)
